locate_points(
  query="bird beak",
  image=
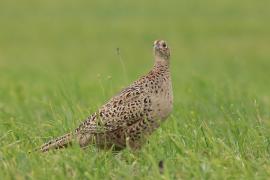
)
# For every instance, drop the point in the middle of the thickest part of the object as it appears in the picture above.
(156, 44)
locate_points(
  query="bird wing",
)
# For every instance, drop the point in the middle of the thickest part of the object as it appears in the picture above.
(121, 111)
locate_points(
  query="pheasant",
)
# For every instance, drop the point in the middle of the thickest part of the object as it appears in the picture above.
(128, 118)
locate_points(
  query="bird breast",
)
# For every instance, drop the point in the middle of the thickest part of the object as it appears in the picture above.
(162, 102)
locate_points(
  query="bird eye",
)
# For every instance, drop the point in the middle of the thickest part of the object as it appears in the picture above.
(164, 45)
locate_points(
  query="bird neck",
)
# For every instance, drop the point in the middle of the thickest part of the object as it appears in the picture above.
(161, 63)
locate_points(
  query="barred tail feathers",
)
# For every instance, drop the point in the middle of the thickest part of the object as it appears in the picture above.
(57, 143)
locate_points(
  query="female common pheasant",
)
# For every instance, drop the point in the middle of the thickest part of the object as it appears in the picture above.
(130, 116)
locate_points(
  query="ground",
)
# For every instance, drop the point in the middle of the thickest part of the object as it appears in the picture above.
(61, 60)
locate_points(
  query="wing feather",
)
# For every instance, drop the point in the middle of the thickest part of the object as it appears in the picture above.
(121, 111)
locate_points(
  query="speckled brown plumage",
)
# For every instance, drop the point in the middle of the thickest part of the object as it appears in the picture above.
(130, 116)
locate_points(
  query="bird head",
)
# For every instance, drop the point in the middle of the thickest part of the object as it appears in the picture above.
(161, 50)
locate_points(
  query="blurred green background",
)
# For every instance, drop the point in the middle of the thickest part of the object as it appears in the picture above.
(58, 63)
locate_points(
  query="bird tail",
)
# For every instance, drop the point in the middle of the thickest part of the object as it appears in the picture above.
(57, 143)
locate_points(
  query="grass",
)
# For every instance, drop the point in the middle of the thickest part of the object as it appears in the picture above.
(59, 62)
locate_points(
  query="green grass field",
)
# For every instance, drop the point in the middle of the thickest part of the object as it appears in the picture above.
(58, 63)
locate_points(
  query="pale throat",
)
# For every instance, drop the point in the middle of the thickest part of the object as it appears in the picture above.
(161, 61)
